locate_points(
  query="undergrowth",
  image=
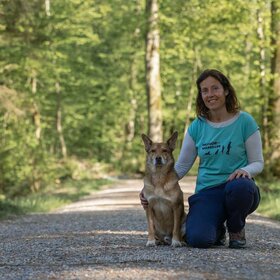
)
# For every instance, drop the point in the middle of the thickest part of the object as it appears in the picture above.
(53, 197)
(270, 199)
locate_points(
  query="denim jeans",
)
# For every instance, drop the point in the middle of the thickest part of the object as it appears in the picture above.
(232, 202)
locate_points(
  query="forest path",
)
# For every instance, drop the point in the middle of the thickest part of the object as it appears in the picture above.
(103, 236)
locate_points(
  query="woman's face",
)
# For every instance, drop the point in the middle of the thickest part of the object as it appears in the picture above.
(213, 94)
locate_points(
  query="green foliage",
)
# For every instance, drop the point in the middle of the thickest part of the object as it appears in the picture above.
(85, 60)
(270, 199)
(53, 197)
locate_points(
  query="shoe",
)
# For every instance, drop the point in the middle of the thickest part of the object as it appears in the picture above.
(237, 240)
(221, 241)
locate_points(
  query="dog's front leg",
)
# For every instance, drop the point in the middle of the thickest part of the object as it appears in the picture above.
(151, 228)
(176, 236)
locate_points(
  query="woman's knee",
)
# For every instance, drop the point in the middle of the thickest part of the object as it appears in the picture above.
(241, 196)
(241, 187)
(200, 238)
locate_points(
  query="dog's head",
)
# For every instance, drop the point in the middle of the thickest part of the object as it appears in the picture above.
(160, 154)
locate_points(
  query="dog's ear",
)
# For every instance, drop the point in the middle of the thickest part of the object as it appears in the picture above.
(171, 142)
(147, 142)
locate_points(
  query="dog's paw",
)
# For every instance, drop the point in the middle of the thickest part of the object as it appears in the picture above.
(151, 243)
(184, 243)
(176, 243)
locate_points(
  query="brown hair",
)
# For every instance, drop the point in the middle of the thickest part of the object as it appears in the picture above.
(232, 103)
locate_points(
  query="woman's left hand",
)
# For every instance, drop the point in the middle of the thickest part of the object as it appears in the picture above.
(239, 173)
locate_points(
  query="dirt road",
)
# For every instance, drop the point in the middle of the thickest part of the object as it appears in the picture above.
(103, 237)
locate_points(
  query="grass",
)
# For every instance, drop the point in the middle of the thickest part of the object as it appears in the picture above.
(270, 199)
(53, 197)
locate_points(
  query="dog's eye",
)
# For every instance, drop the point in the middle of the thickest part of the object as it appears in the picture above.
(153, 151)
(164, 150)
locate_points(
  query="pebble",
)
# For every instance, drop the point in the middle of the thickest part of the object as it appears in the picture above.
(91, 240)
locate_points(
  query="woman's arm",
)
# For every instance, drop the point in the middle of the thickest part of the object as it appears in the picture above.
(254, 154)
(253, 146)
(187, 156)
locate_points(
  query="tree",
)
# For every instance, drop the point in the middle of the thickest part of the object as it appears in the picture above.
(153, 72)
(91, 76)
(275, 71)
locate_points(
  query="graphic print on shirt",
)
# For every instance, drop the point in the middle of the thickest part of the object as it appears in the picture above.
(216, 148)
(228, 148)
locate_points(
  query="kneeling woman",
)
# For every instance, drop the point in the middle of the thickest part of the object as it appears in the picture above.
(228, 144)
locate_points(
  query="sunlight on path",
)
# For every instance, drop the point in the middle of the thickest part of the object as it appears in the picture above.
(122, 195)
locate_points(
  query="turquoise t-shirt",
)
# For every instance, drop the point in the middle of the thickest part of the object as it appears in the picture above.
(221, 150)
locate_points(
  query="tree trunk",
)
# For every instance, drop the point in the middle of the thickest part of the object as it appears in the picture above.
(262, 80)
(275, 71)
(59, 121)
(36, 181)
(48, 7)
(197, 65)
(35, 109)
(153, 72)
(130, 125)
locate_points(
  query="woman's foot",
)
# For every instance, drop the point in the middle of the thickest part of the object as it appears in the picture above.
(237, 240)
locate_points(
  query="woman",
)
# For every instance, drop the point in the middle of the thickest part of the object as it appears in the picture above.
(228, 144)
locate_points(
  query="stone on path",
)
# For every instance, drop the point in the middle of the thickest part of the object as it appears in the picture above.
(103, 236)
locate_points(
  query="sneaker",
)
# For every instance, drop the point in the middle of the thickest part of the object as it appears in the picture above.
(237, 239)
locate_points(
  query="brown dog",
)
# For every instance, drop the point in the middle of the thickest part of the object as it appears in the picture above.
(165, 212)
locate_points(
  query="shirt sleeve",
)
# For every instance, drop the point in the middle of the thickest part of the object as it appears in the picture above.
(250, 126)
(253, 147)
(186, 157)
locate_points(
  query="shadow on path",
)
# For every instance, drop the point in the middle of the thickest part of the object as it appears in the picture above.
(103, 237)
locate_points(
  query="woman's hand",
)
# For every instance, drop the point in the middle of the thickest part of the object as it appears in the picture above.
(144, 201)
(239, 173)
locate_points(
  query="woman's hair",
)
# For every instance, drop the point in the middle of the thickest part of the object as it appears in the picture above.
(232, 104)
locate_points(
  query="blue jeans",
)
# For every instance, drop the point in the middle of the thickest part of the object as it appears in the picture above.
(232, 202)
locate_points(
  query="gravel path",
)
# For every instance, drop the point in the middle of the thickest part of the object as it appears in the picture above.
(103, 237)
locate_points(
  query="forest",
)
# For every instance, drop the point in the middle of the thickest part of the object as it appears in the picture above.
(77, 90)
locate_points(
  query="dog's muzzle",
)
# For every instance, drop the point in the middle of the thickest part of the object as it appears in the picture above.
(158, 161)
